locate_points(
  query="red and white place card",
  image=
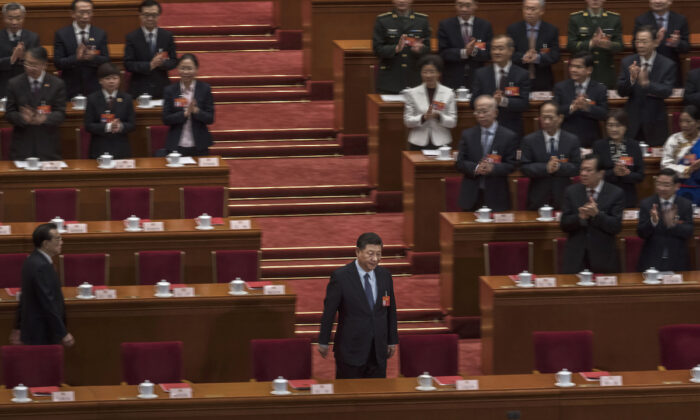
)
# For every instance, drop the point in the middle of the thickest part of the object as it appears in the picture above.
(239, 224)
(124, 163)
(606, 281)
(322, 388)
(63, 396)
(615, 380)
(76, 228)
(302, 384)
(594, 376)
(166, 387)
(257, 284)
(446, 380)
(672, 279)
(43, 391)
(274, 289)
(657, 152)
(105, 293)
(153, 226)
(51, 165)
(545, 282)
(630, 214)
(183, 292)
(5, 230)
(503, 217)
(181, 392)
(467, 385)
(209, 161)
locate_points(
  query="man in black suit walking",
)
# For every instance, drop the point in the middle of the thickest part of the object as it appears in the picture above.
(647, 78)
(14, 42)
(592, 216)
(362, 293)
(40, 317)
(149, 53)
(486, 157)
(672, 34)
(536, 45)
(79, 49)
(463, 42)
(582, 100)
(665, 224)
(550, 157)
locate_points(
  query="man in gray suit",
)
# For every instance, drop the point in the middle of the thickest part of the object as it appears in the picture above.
(14, 41)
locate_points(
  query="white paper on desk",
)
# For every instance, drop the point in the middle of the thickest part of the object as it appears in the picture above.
(393, 98)
(5, 230)
(542, 95)
(156, 102)
(321, 388)
(677, 92)
(433, 153)
(60, 396)
(612, 94)
(187, 160)
(23, 164)
(180, 392)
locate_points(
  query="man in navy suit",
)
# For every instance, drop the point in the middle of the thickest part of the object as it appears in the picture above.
(14, 42)
(672, 32)
(79, 49)
(362, 293)
(691, 94)
(647, 78)
(550, 157)
(486, 157)
(463, 42)
(508, 84)
(582, 100)
(149, 53)
(41, 318)
(536, 45)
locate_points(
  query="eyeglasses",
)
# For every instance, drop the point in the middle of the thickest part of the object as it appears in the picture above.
(150, 15)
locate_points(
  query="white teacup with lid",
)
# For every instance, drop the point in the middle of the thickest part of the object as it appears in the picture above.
(695, 374)
(32, 163)
(425, 382)
(237, 287)
(146, 389)
(483, 214)
(203, 222)
(20, 394)
(546, 212)
(132, 223)
(85, 291)
(144, 100)
(60, 224)
(651, 276)
(105, 161)
(163, 289)
(279, 386)
(173, 159)
(79, 102)
(563, 378)
(525, 279)
(586, 278)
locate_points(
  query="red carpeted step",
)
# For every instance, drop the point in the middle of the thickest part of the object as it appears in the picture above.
(296, 191)
(311, 205)
(405, 327)
(261, 93)
(226, 43)
(305, 268)
(224, 81)
(241, 149)
(310, 252)
(292, 117)
(215, 15)
(286, 134)
(276, 66)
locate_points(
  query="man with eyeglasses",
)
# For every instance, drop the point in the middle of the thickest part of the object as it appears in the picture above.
(14, 42)
(665, 224)
(149, 53)
(79, 49)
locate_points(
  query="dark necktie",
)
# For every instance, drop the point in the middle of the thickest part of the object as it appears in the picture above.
(110, 102)
(151, 43)
(579, 89)
(466, 32)
(485, 143)
(35, 87)
(14, 38)
(532, 42)
(660, 22)
(591, 193)
(552, 147)
(368, 292)
(83, 37)
(502, 81)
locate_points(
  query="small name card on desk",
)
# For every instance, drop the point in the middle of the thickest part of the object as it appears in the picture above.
(672, 279)
(611, 380)
(183, 292)
(125, 163)
(76, 228)
(467, 385)
(322, 388)
(61, 396)
(657, 152)
(180, 392)
(239, 224)
(606, 281)
(273, 289)
(52, 165)
(105, 294)
(209, 161)
(5, 230)
(630, 215)
(504, 217)
(153, 226)
(545, 282)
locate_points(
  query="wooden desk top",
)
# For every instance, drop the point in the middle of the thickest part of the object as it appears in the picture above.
(520, 217)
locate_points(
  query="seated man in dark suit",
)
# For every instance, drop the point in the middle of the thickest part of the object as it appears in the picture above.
(691, 95)
(463, 42)
(550, 157)
(41, 317)
(665, 224)
(79, 49)
(647, 78)
(149, 53)
(508, 84)
(36, 106)
(536, 45)
(592, 216)
(672, 32)
(14, 41)
(486, 157)
(582, 100)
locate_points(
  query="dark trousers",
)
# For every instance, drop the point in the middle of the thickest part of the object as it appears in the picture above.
(479, 203)
(373, 368)
(429, 146)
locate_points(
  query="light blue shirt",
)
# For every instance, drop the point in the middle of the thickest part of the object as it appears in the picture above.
(372, 279)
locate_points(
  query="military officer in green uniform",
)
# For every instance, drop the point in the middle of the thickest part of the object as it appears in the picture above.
(599, 32)
(400, 38)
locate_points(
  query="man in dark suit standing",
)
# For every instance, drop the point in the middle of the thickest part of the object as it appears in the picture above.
(149, 53)
(582, 100)
(14, 42)
(40, 317)
(536, 45)
(362, 293)
(691, 94)
(550, 157)
(486, 157)
(665, 224)
(79, 49)
(592, 216)
(36, 106)
(508, 84)
(672, 34)
(463, 42)
(647, 78)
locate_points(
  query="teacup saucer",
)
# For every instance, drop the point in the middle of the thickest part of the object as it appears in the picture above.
(564, 384)
(525, 285)
(174, 165)
(585, 283)
(484, 220)
(545, 219)
(652, 282)
(145, 106)
(425, 388)
(31, 169)
(85, 297)
(133, 230)
(110, 166)
(241, 293)
(164, 295)
(444, 158)
(21, 400)
(147, 396)
(280, 392)
(204, 227)
(695, 381)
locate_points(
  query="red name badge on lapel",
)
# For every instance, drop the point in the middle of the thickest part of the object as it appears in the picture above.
(493, 158)
(512, 91)
(386, 300)
(180, 102)
(563, 159)
(545, 50)
(480, 45)
(438, 106)
(107, 117)
(44, 109)
(627, 160)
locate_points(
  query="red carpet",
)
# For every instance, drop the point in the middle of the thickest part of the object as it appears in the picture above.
(347, 170)
(315, 114)
(251, 63)
(217, 13)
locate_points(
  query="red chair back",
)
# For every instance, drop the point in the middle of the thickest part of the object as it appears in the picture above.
(77, 269)
(437, 354)
(11, 274)
(198, 200)
(675, 122)
(680, 346)
(156, 136)
(557, 350)
(83, 138)
(32, 365)
(522, 185)
(559, 245)
(153, 266)
(452, 186)
(127, 201)
(694, 63)
(61, 202)
(126, 80)
(5, 140)
(505, 258)
(160, 362)
(243, 263)
(632, 249)
(286, 357)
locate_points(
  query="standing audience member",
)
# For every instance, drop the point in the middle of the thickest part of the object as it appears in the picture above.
(681, 153)
(14, 42)
(691, 94)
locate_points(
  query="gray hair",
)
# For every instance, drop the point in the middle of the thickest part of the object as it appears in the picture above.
(9, 7)
(541, 2)
(487, 98)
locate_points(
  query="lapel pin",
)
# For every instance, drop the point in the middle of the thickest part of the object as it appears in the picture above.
(119, 99)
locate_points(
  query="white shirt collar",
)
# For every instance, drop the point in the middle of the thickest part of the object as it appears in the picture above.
(497, 68)
(469, 21)
(536, 26)
(556, 135)
(665, 16)
(584, 84)
(491, 128)
(192, 86)
(40, 79)
(146, 32)
(107, 94)
(361, 271)
(77, 29)
(670, 200)
(650, 60)
(18, 34)
(45, 255)
(598, 188)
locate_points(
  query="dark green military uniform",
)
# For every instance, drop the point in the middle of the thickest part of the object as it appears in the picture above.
(398, 70)
(582, 27)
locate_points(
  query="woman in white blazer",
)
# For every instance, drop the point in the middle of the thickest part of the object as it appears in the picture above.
(430, 110)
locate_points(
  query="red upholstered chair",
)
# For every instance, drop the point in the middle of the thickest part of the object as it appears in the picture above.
(437, 354)
(674, 122)
(197, 200)
(557, 350)
(155, 137)
(558, 245)
(452, 186)
(631, 249)
(127, 201)
(694, 63)
(680, 346)
(83, 139)
(32, 365)
(229, 264)
(160, 362)
(5, 140)
(11, 275)
(126, 80)
(521, 186)
(289, 358)
(2, 206)
(153, 266)
(50, 203)
(505, 258)
(75, 269)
